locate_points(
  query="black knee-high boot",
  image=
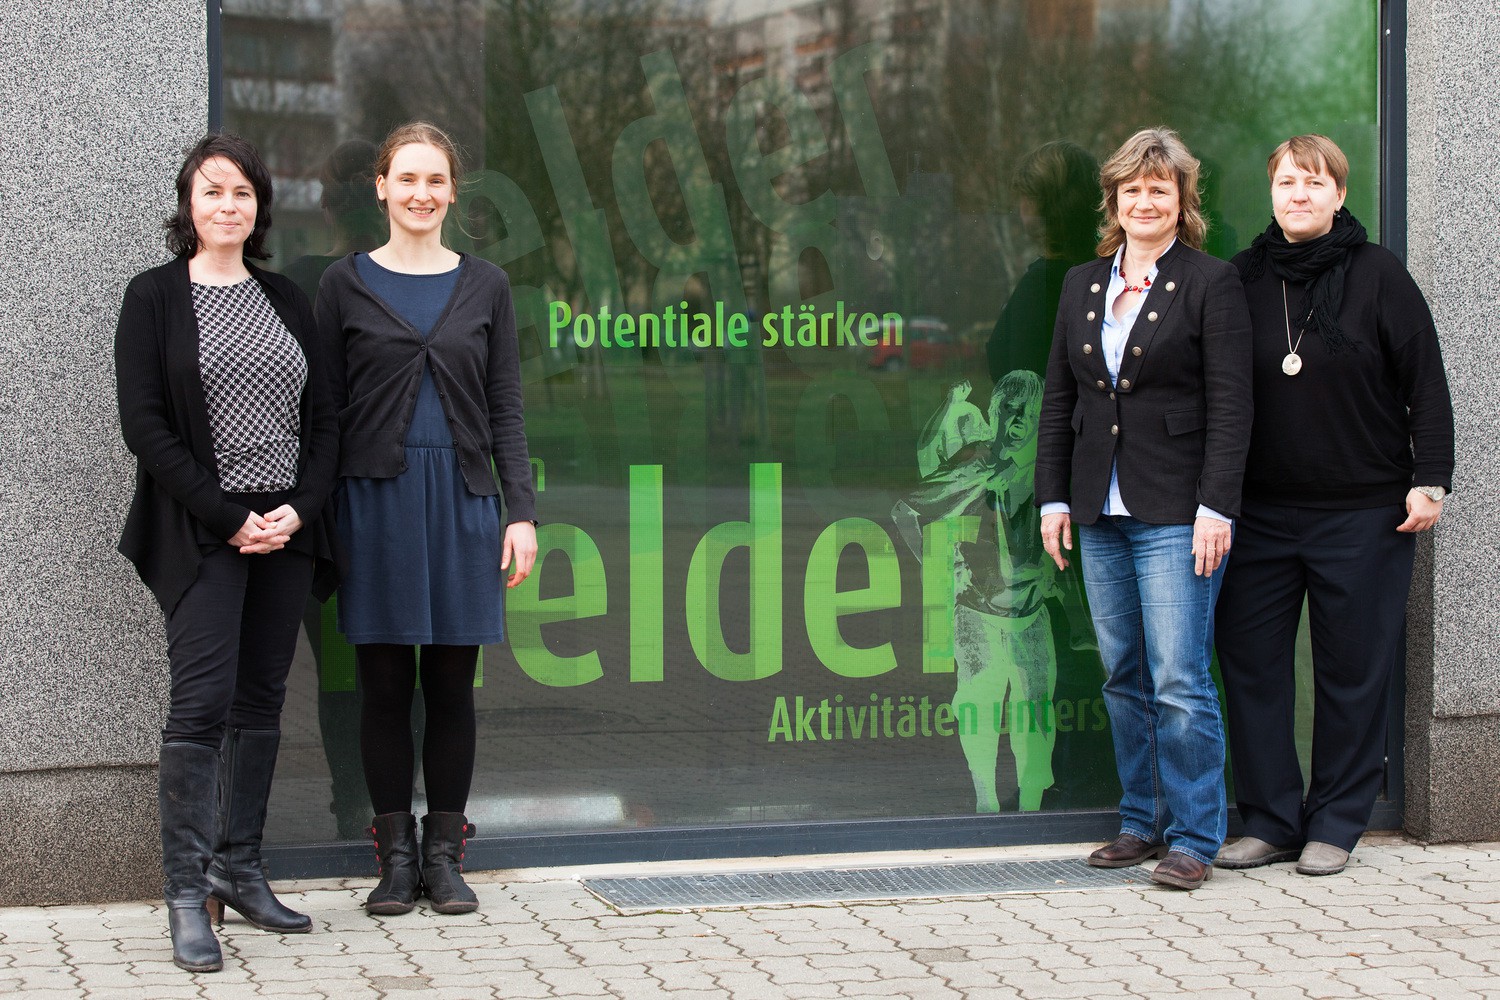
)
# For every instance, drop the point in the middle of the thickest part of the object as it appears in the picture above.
(237, 878)
(187, 790)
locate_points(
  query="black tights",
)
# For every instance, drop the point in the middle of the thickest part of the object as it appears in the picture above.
(387, 677)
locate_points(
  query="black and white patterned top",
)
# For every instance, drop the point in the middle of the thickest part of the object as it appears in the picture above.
(253, 374)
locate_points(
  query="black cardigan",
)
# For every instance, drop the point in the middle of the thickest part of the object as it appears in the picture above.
(377, 358)
(1357, 429)
(178, 506)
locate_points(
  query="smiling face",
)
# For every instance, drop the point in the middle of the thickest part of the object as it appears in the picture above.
(417, 189)
(1304, 201)
(223, 206)
(1148, 209)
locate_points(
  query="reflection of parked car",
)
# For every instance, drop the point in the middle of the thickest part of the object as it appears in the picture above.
(926, 344)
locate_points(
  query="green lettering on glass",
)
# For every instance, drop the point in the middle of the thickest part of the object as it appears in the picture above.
(762, 536)
(647, 590)
(823, 603)
(858, 112)
(523, 231)
(588, 232)
(785, 277)
(712, 248)
(756, 171)
(939, 590)
(527, 612)
(586, 226)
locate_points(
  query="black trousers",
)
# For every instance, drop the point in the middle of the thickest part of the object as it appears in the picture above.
(230, 642)
(1354, 569)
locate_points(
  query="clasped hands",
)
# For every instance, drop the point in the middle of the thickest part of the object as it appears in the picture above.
(262, 533)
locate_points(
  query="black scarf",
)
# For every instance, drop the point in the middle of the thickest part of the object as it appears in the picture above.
(1321, 263)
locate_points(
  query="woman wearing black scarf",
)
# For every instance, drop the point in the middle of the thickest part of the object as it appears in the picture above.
(1350, 456)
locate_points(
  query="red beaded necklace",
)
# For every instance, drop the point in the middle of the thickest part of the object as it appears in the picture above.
(1134, 288)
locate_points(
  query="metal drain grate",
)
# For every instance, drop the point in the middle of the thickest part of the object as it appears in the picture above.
(759, 888)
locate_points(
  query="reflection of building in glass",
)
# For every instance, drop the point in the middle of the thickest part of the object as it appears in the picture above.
(280, 93)
(302, 75)
(412, 59)
(797, 42)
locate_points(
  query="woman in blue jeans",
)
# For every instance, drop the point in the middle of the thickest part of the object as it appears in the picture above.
(1145, 422)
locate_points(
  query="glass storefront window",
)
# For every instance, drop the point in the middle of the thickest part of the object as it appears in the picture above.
(785, 274)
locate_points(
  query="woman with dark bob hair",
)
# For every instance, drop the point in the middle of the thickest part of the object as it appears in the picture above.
(1145, 421)
(224, 404)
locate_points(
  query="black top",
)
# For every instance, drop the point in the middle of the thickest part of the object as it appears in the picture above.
(1177, 422)
(1357, 429)
(179, 507)
(377, 362)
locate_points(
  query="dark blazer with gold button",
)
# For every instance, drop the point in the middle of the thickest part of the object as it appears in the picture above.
(1177, 423)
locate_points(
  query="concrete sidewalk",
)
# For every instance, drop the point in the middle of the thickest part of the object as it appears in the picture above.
(1402, 921)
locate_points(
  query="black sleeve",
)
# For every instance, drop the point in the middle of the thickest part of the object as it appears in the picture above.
(320, 464)
(146, 417)
(1409, 338)
(1054, 451)
(330, 337)
(1227, 392)
(502, 392)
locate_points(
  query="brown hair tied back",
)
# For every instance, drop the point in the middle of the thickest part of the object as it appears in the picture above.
(419, 132)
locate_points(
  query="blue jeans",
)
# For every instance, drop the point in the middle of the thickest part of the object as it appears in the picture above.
(1155, 621)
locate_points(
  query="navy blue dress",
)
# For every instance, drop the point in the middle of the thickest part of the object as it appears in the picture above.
(424, 552)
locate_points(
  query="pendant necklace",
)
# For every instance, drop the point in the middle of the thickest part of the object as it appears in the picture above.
(1291, 364)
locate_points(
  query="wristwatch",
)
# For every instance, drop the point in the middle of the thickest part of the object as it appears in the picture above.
(1433, 493)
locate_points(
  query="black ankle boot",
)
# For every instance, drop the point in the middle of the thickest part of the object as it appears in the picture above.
(186, 792)
(400, 875)
(443, 839)
(237, 878)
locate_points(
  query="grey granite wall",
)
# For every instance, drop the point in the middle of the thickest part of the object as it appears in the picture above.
(1453, 676)
(97, 101)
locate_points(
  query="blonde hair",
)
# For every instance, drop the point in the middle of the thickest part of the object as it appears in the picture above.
(1152, 152)
(413, 133)
(1313, 153)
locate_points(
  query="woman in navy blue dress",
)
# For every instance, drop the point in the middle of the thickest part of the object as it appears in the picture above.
(429, 394)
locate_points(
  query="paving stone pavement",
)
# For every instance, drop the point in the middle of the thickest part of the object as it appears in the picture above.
(1405, 920)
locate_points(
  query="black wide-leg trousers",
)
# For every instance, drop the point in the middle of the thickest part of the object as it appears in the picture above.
(1354, 569)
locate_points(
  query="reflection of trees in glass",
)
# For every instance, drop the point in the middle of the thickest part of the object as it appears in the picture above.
(542, 91)
(401, 60)
(590, 52)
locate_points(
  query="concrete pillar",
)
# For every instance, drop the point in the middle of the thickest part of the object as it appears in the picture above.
(1453, 650)
(97, 102)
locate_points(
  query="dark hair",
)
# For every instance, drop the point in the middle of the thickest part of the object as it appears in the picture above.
(348, 177)
(1062, 179)
(182, 235)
